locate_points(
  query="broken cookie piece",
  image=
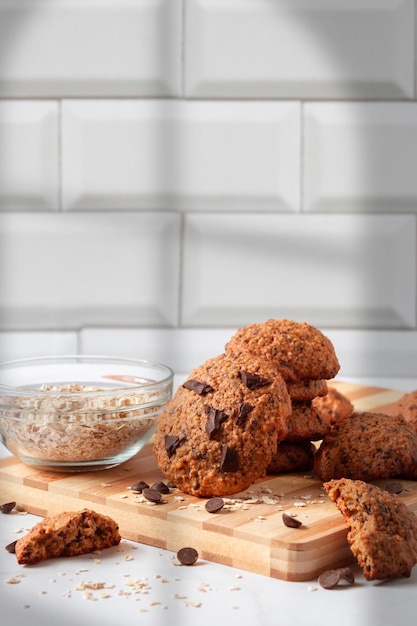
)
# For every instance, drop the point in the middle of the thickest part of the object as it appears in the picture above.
(67, 534)
(382, 530)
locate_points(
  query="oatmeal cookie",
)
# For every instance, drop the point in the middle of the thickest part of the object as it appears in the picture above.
(67, 534)
(334, 405)
(306, 423)
(218, 433)
(367, 446)
(292, 457)
(300, 351)
(382, 530)
(306, 390)
(405, 406)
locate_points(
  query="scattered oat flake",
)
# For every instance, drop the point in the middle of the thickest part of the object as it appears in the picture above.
(129, 557)
(268, 500)
(311, 588)
(14, 580)
(89, 596)
(234, 588)
(299, 503)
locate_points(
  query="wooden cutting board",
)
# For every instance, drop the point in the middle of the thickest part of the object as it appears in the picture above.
(248, 533)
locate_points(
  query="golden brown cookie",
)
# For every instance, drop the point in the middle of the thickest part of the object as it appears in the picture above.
(367, 446)
(334, 405)
(405, 406)
(382, 530)
(67, 534)
(300, 351)
(306, 390)
(218, 433)
(306, 423)
(292, 457)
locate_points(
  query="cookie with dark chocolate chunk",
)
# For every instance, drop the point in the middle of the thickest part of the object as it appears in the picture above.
(367, 446)
(67, 534)
(218, 434)
(292, 457)
(306, 390)
(306, 423)
(299, 350)
(382, 530)
(334, 405)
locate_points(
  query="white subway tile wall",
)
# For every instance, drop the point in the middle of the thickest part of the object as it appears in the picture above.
(176, 154)
(173, 169)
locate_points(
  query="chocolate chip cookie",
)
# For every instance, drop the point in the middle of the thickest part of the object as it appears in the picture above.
(367, 446)
(220, 430)
(382, 530)
(67, 534)
(292, 457)
(306, 390)
(333, 406)
(300, 350)
(306, 423)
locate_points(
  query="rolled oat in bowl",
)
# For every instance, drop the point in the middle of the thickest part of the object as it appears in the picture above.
(80, 413)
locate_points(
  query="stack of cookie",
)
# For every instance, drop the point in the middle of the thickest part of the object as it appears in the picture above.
(306, 360)
(249, 411)
(219, 432)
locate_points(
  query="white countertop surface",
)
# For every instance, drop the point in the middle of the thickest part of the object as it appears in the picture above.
(138, 584)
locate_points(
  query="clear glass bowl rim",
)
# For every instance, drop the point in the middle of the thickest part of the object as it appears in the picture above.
(143, 387)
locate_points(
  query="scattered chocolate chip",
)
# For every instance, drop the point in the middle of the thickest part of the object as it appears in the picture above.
(329, 579)
(11, 547)
(214, 505)
(394, 487)
(171, 444)
(215, 420)
(187, 556)
(229, 461)
(7, 507)
(253, 381)
(139, 486)
(153, 495)
(244, 409)
(160, 486)
(200, 388)
(347, 575)
(291, 521)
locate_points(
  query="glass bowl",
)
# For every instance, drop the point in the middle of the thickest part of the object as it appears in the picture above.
(79, 413)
